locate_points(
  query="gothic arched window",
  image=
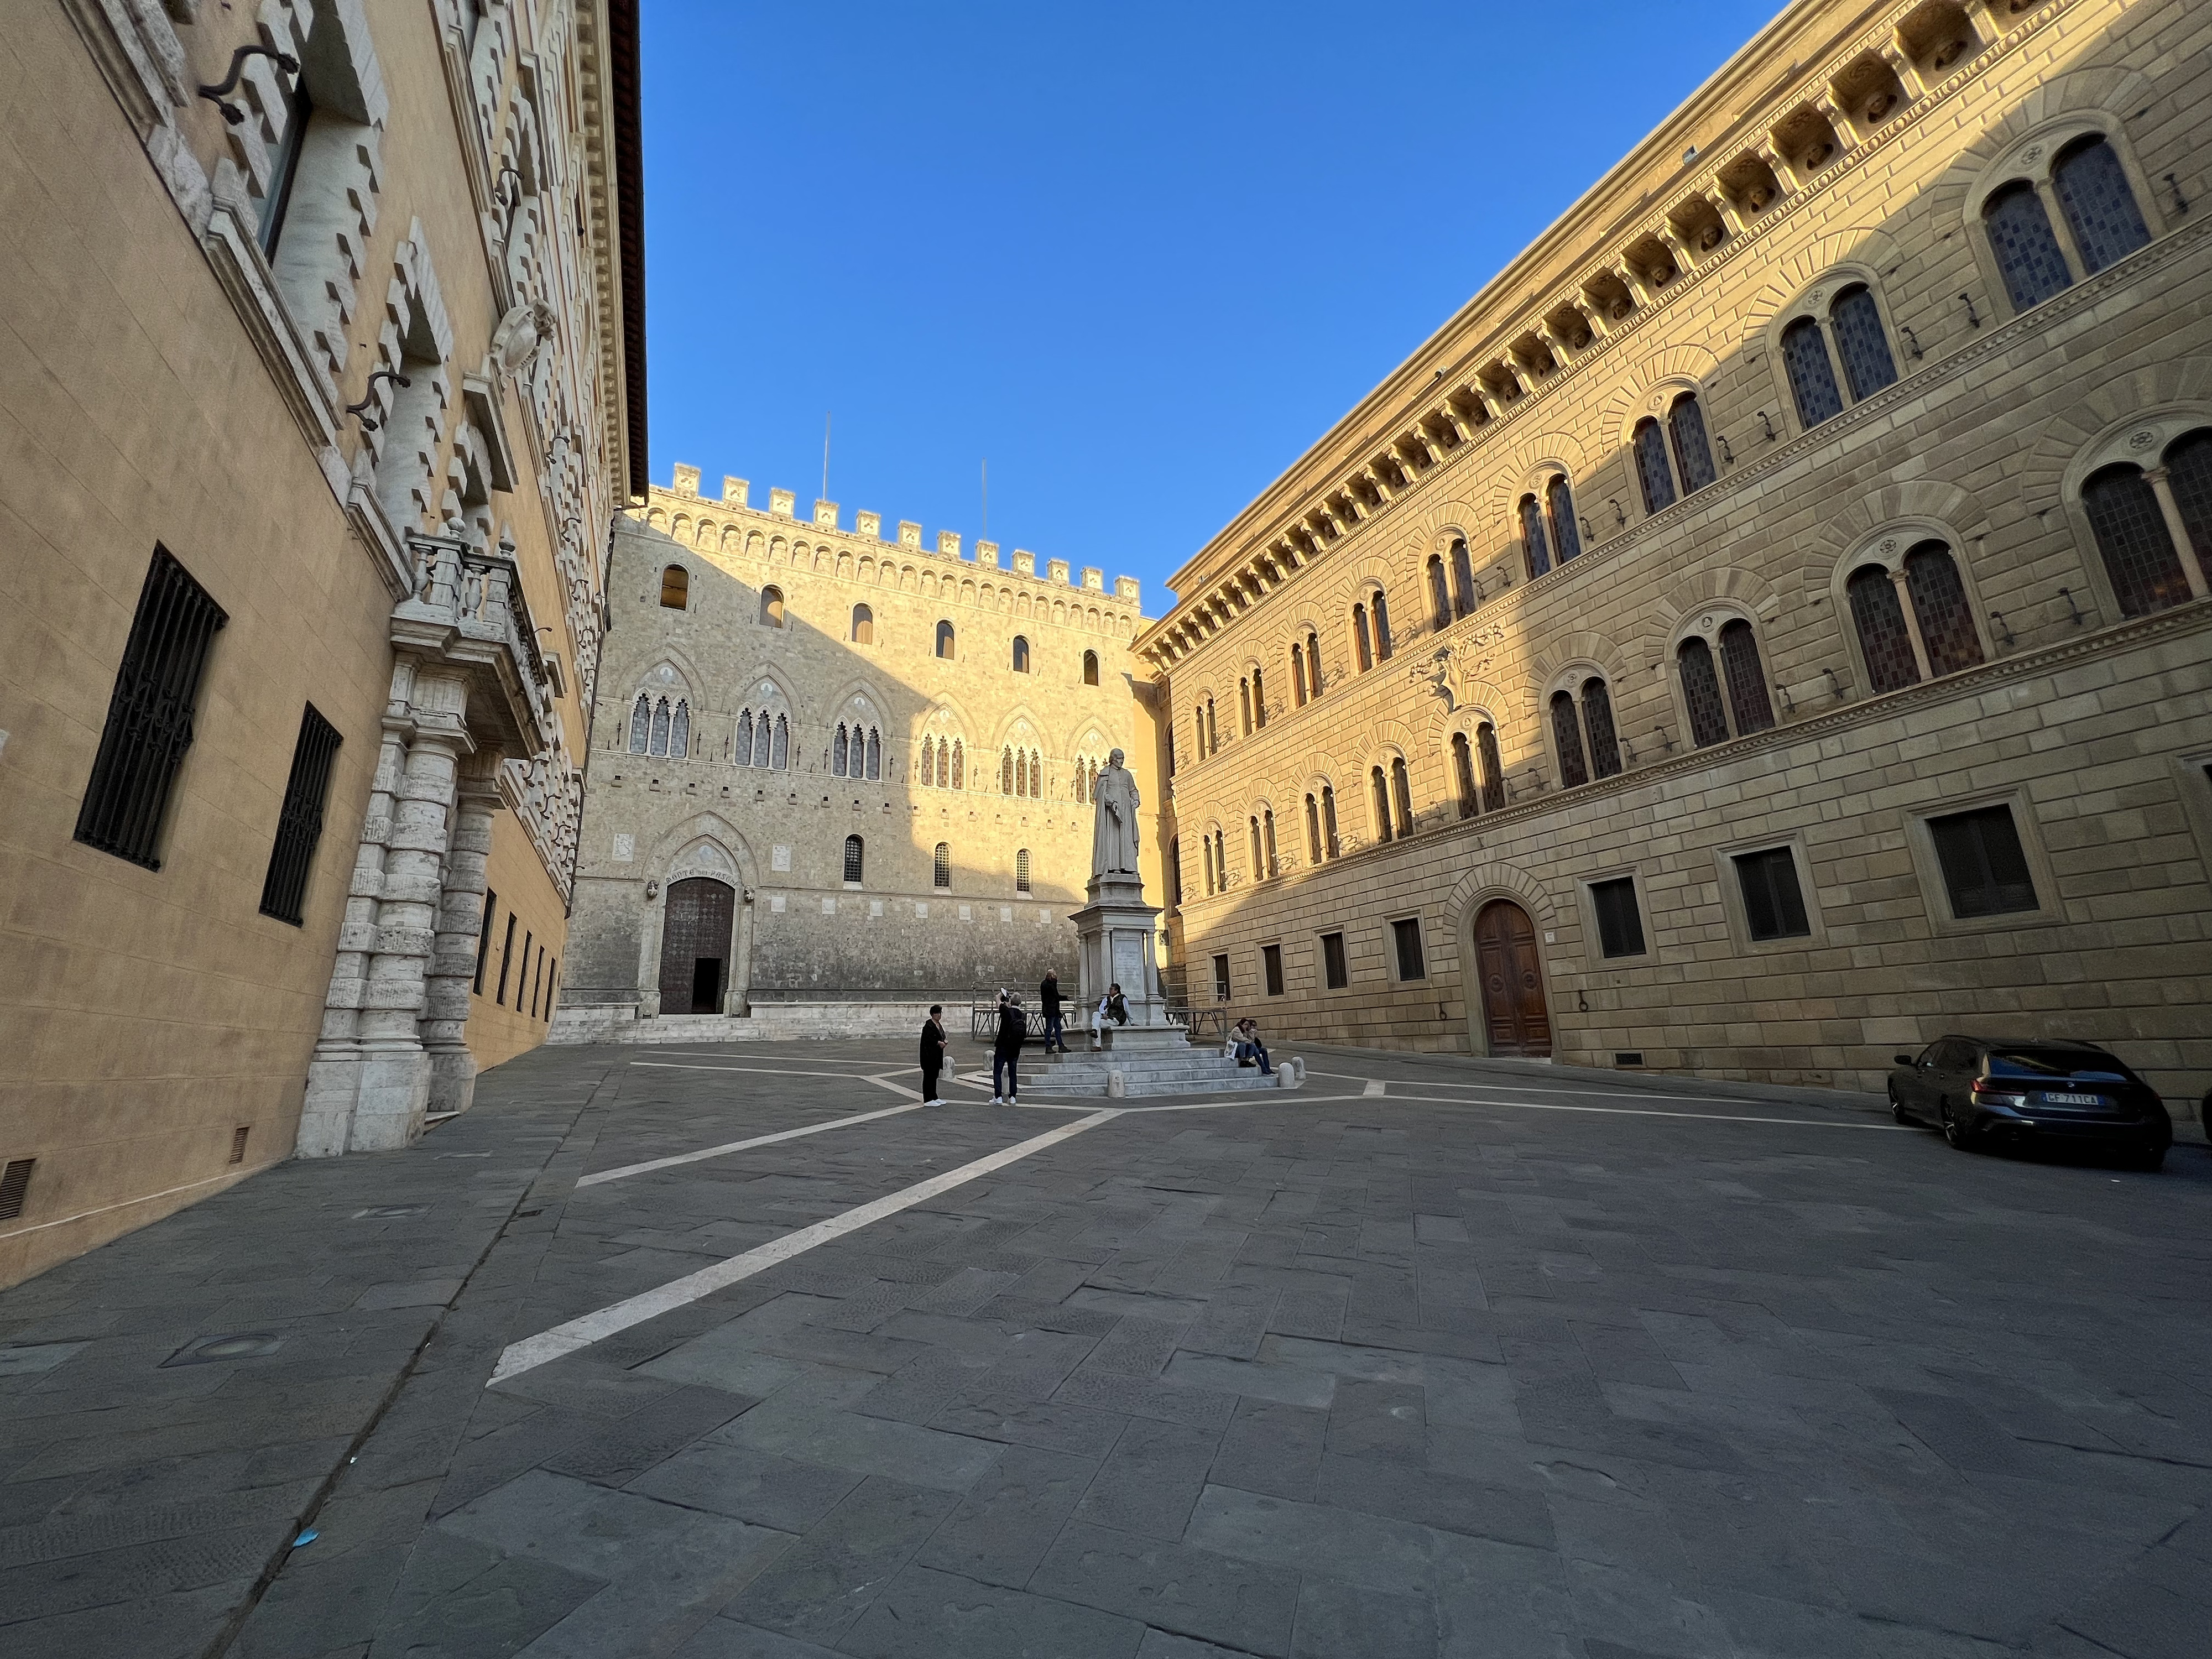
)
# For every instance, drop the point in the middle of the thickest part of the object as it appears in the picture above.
(1701, 692)
(1533, 542)
(854, 855)
(771, 607)
(959, 763)
(742, 751)
(1861, 343)
(1021, 870)
(640, 724)
(658, 743)
(875, 755)
(944, 641)
(1939, 605)
(1090, 668)
(2092, 187)
(779, 756)
(1493, 770)
(864, 625)
(1693, 450)
(1653, 476)
(1812, 378)
(1559, 506)
(679, 731)
(1021, 655)
(1081, 780)
(837, 748)
(940, 865)
(2026, 247)
(1749, 706)
(1007, 771)
(2140, 558)
(1884, 640)
(928, 763)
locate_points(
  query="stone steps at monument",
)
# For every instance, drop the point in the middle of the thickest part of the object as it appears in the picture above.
(1200, 1072)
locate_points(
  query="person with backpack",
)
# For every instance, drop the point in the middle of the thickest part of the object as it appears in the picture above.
(1006, 1051)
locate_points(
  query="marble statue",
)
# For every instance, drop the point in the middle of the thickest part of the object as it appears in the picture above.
(1114, 830)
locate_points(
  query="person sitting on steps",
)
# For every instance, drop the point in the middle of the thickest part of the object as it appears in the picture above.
(1248, 1048)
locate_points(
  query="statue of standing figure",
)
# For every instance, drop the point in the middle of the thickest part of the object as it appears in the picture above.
(1114, 830)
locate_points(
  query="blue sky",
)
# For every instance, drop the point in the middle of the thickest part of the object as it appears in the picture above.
(1139, 256)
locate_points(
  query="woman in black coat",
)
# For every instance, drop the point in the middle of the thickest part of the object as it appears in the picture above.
(932, 1054)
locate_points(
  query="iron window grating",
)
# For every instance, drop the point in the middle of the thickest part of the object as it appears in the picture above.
(1773, 903)
(238, 1142)
(1619, 927)
(299, 819)
(150, 716)
(14, 1183)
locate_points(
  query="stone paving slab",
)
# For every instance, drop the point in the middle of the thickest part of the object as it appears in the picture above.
(1321, 1374)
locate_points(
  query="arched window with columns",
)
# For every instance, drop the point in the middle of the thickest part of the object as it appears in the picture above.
(1686, 438)
(2026, 249)
(1701, 692)
(1298, 676)
(1861, 341)
(1493, 768)
(1313, 829)
(1583, 731)
(1750, 707)
(1939, 605)
(1812, 379)
(1654, 477)
(1878, 617)
(1314, 681)
(1464, 593)
(1379, 784)
(1259, 696)
(1559, 509)
(1463, 773)
(1440, 604)
(1363, 643)
(1534, 544)
(640, 724)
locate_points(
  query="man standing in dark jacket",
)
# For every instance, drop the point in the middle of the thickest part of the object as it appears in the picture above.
(1055, 1035)
(1013, 1026)
(932, 1054)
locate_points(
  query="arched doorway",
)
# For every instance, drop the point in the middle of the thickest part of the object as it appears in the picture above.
(1512, 981)
(695, 945)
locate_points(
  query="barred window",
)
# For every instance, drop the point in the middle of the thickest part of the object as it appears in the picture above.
(1559, 502)
(1939, 604)
(1701, 692)
(1773, 903)
(1533, 540)
(1867, 364)
(299, 819)
(1652, 473)
(1693, 450)
(1566, 732)
(2092, 187)
(2137, 549)
(1463, 773)
(1984, 868)
(1022, 870)
(854, 858)
(150, 713)
(640, 724)
(1880, 621)
(1493, 770)
(2189, 476)
(1597, 715)
(1812, 380)
(2026, 247)
(1619, 924)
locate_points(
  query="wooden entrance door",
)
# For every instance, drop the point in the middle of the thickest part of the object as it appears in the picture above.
(695, 945)
(1512, 981)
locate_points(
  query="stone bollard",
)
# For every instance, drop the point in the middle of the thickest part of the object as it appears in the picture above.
(1117, 1083)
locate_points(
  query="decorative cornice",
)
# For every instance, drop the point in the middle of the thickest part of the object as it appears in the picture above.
(2195, 616)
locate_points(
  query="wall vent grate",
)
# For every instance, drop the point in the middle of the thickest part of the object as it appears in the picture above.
(238, 1144)
(1628, 1057)
(15, 1181)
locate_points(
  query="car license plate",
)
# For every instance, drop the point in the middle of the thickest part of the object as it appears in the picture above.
(2072, 1100)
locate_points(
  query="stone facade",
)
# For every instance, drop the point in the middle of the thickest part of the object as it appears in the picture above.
(333, 304)
(775, 687)
(1804, 544)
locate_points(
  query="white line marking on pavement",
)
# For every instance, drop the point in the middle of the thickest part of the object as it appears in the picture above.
(757, 1071)
(582, 1331)
(1374, 1087)
(1639, 1111)
(895, 1088)
(740, 1145)
(1541, 1088)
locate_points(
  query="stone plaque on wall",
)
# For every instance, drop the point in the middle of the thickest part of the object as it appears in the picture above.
(1129, 964)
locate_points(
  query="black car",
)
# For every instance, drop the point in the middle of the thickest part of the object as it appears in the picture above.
(1982, 1091)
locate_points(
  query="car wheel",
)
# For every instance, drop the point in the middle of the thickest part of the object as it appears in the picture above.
(1954, 1132)
(1897, 1107)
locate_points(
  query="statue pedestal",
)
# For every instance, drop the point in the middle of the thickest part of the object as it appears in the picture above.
(1114, 942)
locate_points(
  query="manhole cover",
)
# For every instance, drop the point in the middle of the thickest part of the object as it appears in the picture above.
(234, 1345)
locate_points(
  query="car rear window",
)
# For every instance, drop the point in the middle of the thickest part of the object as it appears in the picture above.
(2056, 1062)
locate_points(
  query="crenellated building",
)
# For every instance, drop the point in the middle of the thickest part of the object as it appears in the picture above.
(1767, 627)
(836, 776)
(325, 326)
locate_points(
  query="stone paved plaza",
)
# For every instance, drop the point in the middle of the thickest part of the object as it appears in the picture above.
(1432, 1357)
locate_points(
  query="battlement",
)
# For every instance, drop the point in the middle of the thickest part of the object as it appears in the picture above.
(736, 496)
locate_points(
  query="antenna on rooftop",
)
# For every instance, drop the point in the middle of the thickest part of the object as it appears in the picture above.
(986, 534)
(825, 454)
